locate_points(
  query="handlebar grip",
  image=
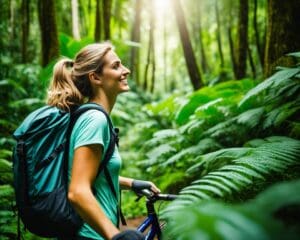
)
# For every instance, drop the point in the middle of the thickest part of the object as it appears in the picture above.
(172, 197)
(167, 197)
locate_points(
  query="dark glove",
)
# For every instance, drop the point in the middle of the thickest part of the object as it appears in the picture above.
(138, 185)
(129, 235)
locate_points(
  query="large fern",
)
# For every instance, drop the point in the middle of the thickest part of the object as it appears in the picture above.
(230, 171)
(271, 215)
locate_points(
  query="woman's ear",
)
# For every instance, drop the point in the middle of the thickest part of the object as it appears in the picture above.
(95, 78)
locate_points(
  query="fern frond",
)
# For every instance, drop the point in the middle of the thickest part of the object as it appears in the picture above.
(275, 80)
(280, 114)
(218, 158)
(188, 154)
(6, 196)
(215, 183)
(155, 156)
(200, 194)
(195, 188)
(275, 155)
(243, 170)
(165, 133)
(5, 153)
(192, 126)
(223, 180)
(160, 137)
(251, 118)
(294, 54)
(220, 129)
(289, 90)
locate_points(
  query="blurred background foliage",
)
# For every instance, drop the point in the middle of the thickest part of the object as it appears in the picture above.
(212, 115)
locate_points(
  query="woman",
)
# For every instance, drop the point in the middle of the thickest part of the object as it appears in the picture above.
(97, 76)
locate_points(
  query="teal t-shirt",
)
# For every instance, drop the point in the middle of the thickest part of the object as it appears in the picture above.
(92, 128)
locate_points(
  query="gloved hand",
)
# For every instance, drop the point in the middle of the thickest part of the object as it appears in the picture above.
(138, 185)
(129, 235)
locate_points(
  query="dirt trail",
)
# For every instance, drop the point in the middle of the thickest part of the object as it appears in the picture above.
(133, 222)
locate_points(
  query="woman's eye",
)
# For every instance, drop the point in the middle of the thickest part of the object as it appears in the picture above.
(116, 66)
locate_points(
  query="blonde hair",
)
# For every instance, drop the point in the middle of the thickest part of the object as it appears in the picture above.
(70, 84)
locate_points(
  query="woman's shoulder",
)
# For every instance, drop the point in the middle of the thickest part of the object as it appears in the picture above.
(92, 117)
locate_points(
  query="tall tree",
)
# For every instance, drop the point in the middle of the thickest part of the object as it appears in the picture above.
(47, 21)
(98, 22)
(165, 50)
(150, 62)
(153, 62)
(199, 37)
(251, 62)
(12, 21)
(189, 55)
(106, 9)
(231, 48)
(258, 43)
(282, 33)
(242, 40)
(25, 28)
(219, 39)
(75, 20)
(136, 38)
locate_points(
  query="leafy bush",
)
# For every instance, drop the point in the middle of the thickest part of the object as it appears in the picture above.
(272, 214)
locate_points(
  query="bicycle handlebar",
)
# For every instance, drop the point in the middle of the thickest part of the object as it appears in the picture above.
(155, 197)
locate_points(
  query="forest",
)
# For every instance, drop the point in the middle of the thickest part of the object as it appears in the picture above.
(212, 115)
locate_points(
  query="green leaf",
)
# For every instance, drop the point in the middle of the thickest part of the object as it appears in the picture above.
(275, 79)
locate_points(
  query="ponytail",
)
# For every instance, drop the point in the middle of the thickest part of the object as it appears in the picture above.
(62, 92)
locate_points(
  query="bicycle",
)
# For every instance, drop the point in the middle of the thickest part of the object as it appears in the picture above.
(152, 219)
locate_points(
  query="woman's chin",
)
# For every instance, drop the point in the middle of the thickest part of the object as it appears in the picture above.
(125, 89)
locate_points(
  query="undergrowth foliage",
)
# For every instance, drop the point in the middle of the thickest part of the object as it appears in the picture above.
(271, 215)
(228, 142)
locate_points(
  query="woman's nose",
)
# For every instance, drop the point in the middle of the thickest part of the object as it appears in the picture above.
(126, 71)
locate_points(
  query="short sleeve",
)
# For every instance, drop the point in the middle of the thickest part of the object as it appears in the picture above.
(91, 128)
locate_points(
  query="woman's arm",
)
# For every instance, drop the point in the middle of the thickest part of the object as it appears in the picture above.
(84, 171)
(125, 183)
(130, 183)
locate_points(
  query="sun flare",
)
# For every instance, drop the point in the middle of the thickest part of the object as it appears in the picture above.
(161, 6)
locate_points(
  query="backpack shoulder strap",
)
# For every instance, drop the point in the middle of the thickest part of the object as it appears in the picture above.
(113, 134)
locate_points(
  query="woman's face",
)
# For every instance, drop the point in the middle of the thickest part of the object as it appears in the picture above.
(114, 74)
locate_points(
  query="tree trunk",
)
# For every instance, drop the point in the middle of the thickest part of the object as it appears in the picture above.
(106, 4)
(47, 21)
(165, 50)
(98, 22)
(257, 37)
(187, 46)
(242, 40)
(75, 20)
(12, 23)
(150, 51)
(231, 47)
(136, 37)
(203, 60)
(153, 62)
(251, 61)
(25, 28)
(282, 33)
(219, 35)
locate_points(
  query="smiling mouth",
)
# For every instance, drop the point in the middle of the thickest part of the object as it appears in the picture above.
(124, 81)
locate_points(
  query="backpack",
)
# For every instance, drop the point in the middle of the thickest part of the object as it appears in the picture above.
(40, 170)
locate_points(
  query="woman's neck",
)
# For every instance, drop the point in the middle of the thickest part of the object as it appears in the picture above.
(105, 102)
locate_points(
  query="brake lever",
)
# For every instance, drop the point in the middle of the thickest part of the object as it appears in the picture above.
(144, 192)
